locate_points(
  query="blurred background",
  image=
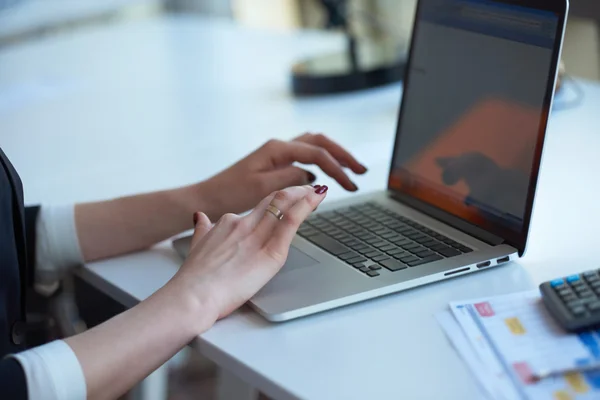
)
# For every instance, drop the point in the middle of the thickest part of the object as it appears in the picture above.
(23, 20)
(27, 21)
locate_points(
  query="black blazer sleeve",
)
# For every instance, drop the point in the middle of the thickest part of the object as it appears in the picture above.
(31, 215)
(12, 380)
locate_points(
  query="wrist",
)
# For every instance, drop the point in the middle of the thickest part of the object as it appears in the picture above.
(202, 197)
(198, 313)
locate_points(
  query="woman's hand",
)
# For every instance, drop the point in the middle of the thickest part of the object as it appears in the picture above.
(232, 260)
(270, 168)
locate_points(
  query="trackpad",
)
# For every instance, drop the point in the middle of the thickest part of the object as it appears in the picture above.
(296, 260)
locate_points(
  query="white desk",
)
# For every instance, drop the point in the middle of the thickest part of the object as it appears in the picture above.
(187, 97)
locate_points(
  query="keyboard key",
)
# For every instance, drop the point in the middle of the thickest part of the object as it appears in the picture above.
(426, 260)
(594, 307)
(348, 255)
(409, 259)
(388, 248)
(395, 251)
(307, 232)
(401, 241)
(594, 278)
(380, 245)
(573, 278)
(561, 287)
(364, 269)
(438, 247)
(449, 252)
(418, 249)
(402, 255)
(410, 246)
(375, 267)
(373, 274)
(373, 253)
(380, 258)
(359, 265)
(389, 235)
(329, 244)
(393, 265)
(425, 253)
(356, 260)
(464, 249)
(589, 274)
(595, 285)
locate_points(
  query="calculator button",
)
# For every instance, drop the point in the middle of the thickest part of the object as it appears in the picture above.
(595, 285)
(568, 298)
(573, 278)
(565, 292)
(578, 311)
(586, 294)
(575, 303)
(561, 286)
(556, 282)
(592, 279)
(589, 274)
(594, 307)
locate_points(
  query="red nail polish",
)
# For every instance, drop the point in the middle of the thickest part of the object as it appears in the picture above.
(311, 177)
(316, 186)
(195, 218)
(321, 189)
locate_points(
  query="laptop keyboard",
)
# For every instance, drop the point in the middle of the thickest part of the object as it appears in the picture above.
(370, 237)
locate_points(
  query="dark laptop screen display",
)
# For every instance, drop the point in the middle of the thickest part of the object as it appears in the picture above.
(474, 109)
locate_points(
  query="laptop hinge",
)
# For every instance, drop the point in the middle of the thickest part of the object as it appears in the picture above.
(449, 219)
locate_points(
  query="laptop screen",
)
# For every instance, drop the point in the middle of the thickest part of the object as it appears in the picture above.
(474, 109)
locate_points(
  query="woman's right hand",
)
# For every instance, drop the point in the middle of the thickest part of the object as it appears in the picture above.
(232, 260)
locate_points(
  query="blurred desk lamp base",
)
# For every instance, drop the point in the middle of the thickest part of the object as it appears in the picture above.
(370, 65)
(363, 64)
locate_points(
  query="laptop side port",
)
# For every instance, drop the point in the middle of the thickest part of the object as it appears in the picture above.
(484, 264)
(503, 260)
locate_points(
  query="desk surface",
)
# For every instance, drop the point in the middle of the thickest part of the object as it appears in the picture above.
(190, 96)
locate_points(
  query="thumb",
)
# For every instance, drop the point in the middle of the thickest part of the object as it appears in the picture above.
(287, 177)
(202, 227)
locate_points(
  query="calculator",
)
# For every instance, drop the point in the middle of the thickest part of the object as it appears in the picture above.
(574, 301)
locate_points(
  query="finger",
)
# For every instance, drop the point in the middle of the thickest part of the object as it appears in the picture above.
(285, 153)
(203, 226)
(287, 177)
(281, 200)
(338, 152)
(281, 238)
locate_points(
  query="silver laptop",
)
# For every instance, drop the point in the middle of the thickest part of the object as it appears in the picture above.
(478, 91)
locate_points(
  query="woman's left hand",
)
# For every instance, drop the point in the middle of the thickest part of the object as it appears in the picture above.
(270, 168)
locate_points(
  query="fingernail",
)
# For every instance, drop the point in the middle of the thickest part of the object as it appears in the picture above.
(196, 218)
(321, 189)
(316, 186)
(364, 168)
(311, 177)
(354, 187)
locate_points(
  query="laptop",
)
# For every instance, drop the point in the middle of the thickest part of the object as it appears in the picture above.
(477, 95)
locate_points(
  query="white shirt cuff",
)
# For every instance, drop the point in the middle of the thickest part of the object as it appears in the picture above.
(53, 372)
(57, 247)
